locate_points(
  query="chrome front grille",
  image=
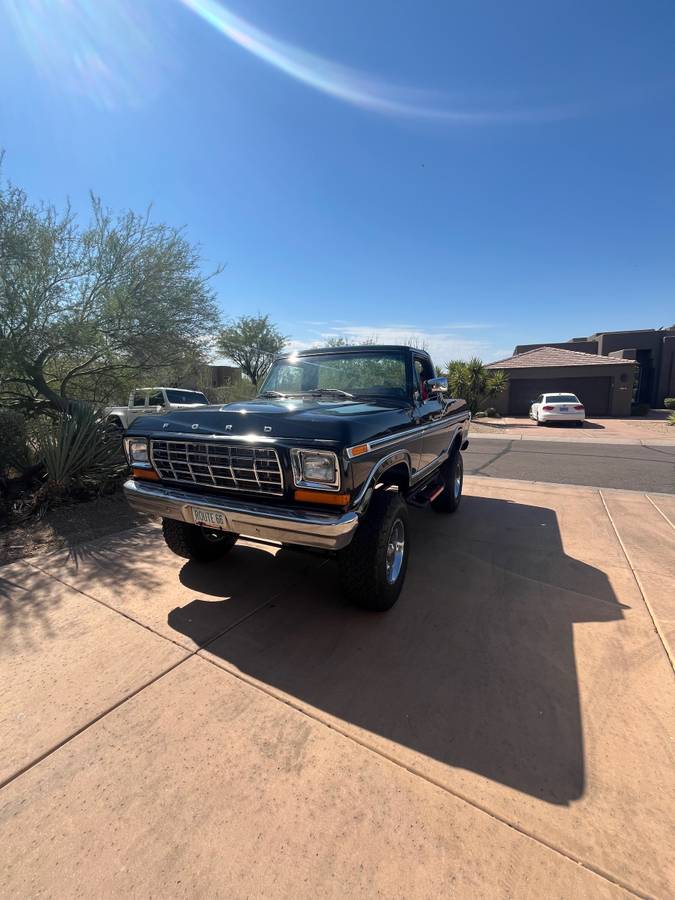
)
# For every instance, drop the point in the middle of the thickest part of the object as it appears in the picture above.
(213, 464)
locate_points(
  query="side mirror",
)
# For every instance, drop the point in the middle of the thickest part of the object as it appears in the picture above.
(437, 385)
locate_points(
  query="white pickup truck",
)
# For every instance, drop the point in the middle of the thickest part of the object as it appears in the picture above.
(144, 401)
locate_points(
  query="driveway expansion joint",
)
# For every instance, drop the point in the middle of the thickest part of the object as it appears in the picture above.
(109, 606)
(598, 871)
(660, 512)
(657, 628)
(189, 654)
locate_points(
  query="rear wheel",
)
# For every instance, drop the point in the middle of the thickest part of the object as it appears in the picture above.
(580, 424)
(372, 567)
(452, 474)
(197, 542)
(539, 422)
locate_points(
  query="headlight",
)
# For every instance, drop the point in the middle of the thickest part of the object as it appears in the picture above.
(137, 451)
(315, 469)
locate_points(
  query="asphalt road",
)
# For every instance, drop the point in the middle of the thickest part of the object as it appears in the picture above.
(629, 467)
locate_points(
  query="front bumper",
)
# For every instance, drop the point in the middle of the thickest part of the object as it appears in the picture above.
(289, 525)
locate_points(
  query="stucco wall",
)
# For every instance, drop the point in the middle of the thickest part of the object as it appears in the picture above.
(666, 387)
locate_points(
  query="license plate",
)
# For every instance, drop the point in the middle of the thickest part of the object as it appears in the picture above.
(564, 409)
(210, 517)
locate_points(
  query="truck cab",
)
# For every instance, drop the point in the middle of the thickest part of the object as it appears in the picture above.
(143, 401)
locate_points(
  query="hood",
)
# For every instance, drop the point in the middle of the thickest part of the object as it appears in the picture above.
(331, 421)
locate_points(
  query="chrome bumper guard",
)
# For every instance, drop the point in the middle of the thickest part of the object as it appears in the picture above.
(288, 525)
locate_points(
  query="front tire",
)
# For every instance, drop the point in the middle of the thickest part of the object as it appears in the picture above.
(196, 542)
(452, 473)
(372, 567)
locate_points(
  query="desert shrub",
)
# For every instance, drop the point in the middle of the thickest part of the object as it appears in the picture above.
(480, 415)
(14, 451)
(475, 383)
(79, 452)
(230, 393)
(669, 402)
(671, 418)
(639, 409)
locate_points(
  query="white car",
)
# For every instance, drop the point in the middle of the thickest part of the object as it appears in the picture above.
(558, 408)
(151, 401)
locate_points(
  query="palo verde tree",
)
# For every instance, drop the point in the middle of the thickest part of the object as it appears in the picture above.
(86, 306)
(251, 342)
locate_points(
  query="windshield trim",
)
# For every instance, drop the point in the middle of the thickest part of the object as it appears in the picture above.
(317, 358)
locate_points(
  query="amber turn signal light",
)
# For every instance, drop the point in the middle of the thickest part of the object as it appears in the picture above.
(359, 450)
(304, 496)
(144, 474)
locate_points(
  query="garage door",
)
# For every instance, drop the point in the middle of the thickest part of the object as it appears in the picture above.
(594, 393)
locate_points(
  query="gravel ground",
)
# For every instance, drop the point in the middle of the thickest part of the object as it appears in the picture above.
(67, 526)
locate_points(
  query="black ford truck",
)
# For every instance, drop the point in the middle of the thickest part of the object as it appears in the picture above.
(329, 455)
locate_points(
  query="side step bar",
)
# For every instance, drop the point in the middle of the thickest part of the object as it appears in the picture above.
(423, 496)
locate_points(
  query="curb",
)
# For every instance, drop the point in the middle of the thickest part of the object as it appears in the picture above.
(568, 439)
(518, 484)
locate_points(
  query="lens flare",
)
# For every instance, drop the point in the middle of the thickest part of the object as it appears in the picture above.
(114, 53)
(347, 84)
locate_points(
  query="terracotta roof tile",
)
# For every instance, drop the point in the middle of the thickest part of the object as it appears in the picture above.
(543, 357)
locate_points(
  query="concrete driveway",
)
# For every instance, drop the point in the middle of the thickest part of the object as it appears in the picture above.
(648, 431)
(234, 730)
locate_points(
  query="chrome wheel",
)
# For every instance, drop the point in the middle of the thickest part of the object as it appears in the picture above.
(395, 551)
(457, 480)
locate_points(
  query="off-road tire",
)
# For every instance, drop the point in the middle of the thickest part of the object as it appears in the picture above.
(193, 541)
(362, 565)
(449, 500)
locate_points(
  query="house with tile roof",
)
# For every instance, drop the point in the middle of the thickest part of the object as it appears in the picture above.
(604, 384)
(653, 349)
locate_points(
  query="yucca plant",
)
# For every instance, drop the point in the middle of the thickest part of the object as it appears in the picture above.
(78, 450)
(473, 382)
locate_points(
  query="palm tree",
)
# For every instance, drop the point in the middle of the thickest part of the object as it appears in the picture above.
(473, 382)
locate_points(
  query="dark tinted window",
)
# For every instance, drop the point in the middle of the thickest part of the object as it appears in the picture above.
(175, 395)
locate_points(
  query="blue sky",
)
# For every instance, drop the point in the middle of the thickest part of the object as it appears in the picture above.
(474, 174)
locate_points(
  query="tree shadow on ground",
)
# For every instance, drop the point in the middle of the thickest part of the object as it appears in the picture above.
(474, 667)
(31, 590)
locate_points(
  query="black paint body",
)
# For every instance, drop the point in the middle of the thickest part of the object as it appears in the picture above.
(409, 436)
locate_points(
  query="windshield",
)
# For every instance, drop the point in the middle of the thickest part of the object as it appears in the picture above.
(176, 396)
(375, 374)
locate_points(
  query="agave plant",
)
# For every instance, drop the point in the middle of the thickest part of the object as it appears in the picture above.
(79, 449)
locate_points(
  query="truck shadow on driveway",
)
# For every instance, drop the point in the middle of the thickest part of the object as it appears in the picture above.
(474, 667)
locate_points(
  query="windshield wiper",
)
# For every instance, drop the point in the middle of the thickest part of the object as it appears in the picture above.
(317, 392)
(272, 394)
